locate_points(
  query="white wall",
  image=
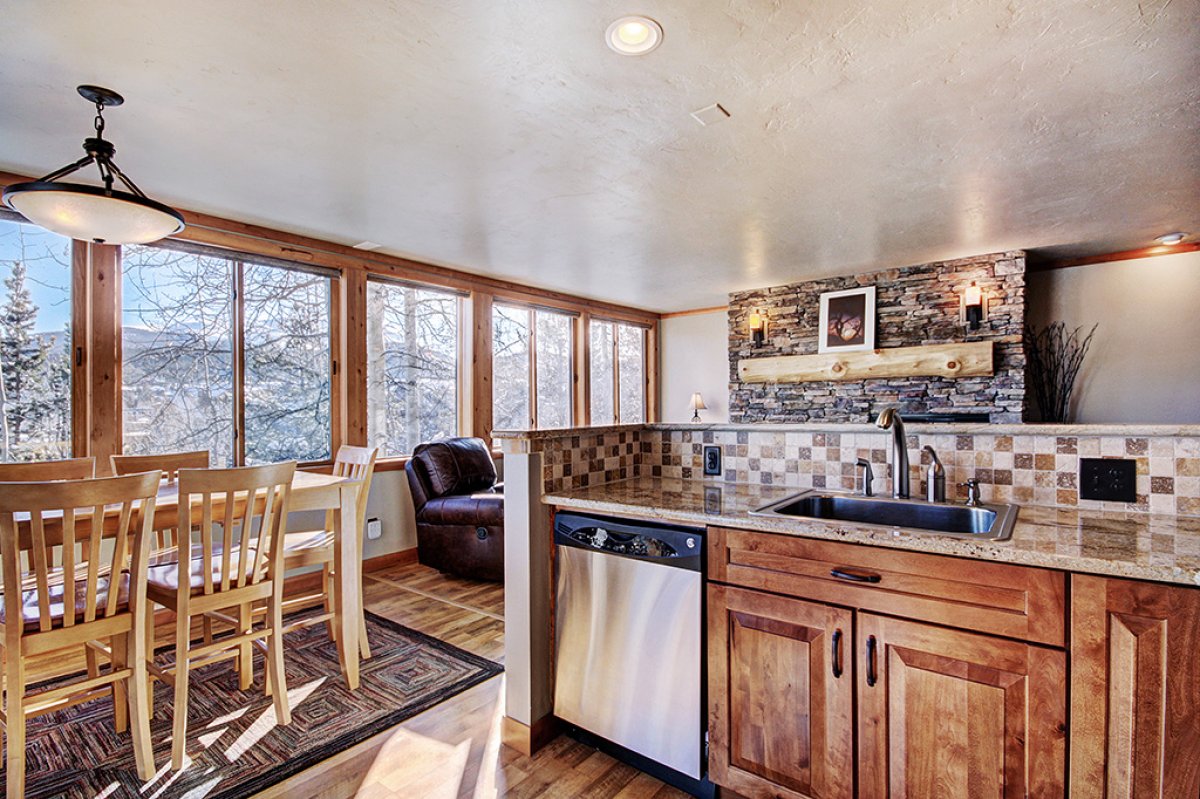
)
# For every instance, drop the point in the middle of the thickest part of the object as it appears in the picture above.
(694, 356)
(1144, 363)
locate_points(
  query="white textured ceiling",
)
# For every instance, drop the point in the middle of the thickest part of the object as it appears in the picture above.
(505, 138)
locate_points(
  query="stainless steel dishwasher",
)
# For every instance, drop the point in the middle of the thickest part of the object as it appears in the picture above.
(629, 658)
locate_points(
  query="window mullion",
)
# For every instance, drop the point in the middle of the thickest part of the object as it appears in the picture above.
(616, 362)
(238, 312)
(531, 317)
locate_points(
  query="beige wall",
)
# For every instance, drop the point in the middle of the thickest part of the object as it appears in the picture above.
(1144, 364)
(695, 357)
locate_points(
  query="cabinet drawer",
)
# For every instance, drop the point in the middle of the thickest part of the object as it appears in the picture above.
(997, 598)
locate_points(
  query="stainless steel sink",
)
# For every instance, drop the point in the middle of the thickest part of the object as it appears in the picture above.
(986, 522)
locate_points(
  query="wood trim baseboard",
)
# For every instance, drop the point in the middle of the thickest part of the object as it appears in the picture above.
(528, 739)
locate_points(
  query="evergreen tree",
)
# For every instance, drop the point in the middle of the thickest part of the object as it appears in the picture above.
(22, 357)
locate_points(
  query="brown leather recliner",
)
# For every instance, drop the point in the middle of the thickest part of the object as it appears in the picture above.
(459, 508)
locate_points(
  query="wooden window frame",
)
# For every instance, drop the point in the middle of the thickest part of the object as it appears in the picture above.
(463, 304)
(649, 369)
(110, 299)
(531, 311)
(96, 408)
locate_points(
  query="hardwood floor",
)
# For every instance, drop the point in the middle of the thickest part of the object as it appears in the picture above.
(453, 749)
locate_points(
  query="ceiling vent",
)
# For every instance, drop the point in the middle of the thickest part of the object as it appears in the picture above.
(710, 114)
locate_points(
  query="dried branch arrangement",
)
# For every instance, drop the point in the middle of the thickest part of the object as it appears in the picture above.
(1055, 356)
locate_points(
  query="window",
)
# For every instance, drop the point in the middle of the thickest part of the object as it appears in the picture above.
(184, 333)
(35, 343)
(553, 346)
(412, 366)
(287, 364)
(618, 376)
(512, 344)
(531, 368)
(631, 373)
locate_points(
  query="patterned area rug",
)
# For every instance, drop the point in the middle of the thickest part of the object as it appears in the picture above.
(235, 747)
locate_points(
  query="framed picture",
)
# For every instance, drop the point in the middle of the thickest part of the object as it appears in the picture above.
(847, 320)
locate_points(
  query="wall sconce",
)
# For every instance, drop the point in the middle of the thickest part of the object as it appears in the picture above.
(974, 309)
(697, 405)
(758, 328)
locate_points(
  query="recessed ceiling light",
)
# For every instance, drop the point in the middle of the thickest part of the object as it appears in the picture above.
(634, 35)
(367, 245)
(1172, 238)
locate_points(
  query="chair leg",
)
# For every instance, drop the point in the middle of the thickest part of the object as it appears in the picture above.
(330, 603)
(14, 710)
(120, 650)
(206, 626)
(179, 732)
(283, 714)
(140, 709)
(148, 654)
(93, 664)
(364, 646)
(245, 659)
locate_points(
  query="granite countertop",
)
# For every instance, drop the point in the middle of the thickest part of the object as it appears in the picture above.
(1115, 543)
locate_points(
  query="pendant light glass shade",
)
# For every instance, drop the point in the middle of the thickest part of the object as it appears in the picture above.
(92, 214)
(100, 214)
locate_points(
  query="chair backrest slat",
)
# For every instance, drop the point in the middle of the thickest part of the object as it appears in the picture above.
(74, 515)
(254, 500)
(68, 560)
(44, 471)
(169, 463)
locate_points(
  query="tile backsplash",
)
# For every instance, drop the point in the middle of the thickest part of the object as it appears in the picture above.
(1021, 463)
(1027, 469)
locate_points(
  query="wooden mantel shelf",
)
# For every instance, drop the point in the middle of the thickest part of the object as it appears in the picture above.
(960, 359)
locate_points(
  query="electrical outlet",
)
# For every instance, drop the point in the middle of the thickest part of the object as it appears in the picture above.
(1108, 479)
(712, 460)
(374, 529)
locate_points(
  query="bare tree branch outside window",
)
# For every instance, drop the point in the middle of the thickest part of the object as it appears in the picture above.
(412, 366)
(179, 313)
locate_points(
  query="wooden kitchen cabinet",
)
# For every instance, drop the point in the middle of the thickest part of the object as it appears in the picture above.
(945, 714)
(781, 686)
(1135, 689)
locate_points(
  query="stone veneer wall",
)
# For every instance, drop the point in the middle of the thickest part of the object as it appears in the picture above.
(915, 305)
(1029, 469)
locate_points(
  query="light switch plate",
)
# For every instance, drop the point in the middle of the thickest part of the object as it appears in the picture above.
(374, 529)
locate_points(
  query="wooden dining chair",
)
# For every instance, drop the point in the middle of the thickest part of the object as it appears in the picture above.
(164, 548)
(63, 590)
(44, 471)
(169, 463)
(234, 519)
(315, 547)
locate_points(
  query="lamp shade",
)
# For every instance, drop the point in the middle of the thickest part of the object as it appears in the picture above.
(91, 213)
(697, 403)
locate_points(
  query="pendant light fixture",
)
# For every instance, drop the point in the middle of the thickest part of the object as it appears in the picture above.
(100, 214)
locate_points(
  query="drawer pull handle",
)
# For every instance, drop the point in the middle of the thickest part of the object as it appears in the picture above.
(837, 653)
(871, 675)
(854, 575)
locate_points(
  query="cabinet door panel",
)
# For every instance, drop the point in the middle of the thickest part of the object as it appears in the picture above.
(945, 714)
(1135, 687)
(780, 721)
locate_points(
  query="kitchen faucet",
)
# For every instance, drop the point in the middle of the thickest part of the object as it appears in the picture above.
(890, 419)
